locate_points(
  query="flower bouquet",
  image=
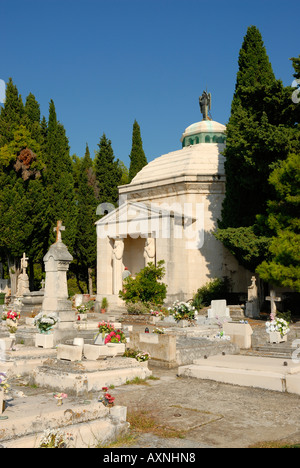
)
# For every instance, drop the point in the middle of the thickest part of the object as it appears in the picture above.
(157, 313)
(115, 337)
(59, 397)
(11, 318)
(3, 382)
(143, 357)
(106, 398)
(277, 325)
(45, 323)
(183, 311)
(53, 438)
(159, 331)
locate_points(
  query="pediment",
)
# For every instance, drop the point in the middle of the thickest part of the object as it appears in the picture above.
(131, 211)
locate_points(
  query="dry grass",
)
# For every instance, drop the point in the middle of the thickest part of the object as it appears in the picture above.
(145, 422)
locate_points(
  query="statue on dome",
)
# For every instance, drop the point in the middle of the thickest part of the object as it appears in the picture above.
(205, 104)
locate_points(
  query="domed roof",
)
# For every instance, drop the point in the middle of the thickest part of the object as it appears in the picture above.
(203, 159)
(205, 126)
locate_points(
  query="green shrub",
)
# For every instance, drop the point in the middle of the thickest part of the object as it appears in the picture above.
(219, 288)
(137, 308)
(146, 287)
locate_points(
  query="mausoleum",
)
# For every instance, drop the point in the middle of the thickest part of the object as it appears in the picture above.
(169, 212)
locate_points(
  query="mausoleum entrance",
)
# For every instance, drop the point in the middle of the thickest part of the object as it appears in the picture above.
(133, 257)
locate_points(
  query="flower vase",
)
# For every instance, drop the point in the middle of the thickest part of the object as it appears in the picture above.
(12, 337)
(100, 339)
(59, 401)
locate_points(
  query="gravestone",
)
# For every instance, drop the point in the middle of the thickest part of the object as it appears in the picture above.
(57, 262)
(273, 299)
(218, 310)
(252, 305)
(23, 280)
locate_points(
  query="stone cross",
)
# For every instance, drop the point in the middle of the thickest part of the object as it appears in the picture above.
(272, 298)
(59, 227)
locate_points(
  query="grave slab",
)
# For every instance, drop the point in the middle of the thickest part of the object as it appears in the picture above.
(88, 425)
(250, 371)
(78, 378)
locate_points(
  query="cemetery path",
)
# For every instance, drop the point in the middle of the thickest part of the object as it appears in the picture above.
(177, 412)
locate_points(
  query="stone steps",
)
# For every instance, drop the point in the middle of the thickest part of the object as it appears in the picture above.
(88, 423)
(284, 350)
(247, 371)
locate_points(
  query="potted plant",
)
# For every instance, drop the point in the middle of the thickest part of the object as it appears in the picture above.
(104, 305)
(277, 330)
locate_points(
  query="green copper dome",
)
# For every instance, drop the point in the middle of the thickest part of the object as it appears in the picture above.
(206, 131)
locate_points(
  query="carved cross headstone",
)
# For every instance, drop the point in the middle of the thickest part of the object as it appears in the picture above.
(24, 263)
(273, 299)
(59, 228)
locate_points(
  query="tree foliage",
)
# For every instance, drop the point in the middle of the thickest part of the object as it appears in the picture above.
(283, 268)
(85, 243)
(137, 156)
(147, 286)
(108, 172)
(262, 132)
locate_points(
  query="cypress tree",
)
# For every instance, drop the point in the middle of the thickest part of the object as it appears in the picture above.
(85, 245)
(108, 172)
(260, 132)
(11, 114)
(22, 190)
(59, 181)
(283, 266)
(137, 156)
(257, 134)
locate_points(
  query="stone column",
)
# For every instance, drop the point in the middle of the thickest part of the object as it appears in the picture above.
(117, 257)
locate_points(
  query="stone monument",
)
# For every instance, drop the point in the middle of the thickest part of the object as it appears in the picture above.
(57, 262)
(23, 280)
(252, 305)
(205, 104)
(273, 299)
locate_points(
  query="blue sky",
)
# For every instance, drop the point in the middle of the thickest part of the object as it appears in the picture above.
(106, 63)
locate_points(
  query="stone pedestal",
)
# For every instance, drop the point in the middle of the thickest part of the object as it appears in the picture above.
(57, 262)
(275, 338)
(240, 334)
(43, 340)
